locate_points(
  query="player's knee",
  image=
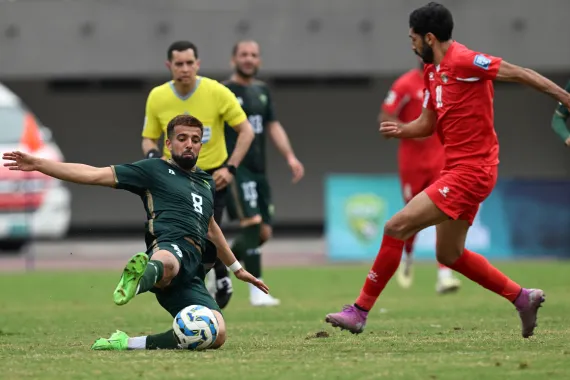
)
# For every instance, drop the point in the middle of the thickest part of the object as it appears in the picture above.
(447, 254)
(171, 268)
(170, 264)
(398, 226)
(266, 233)
(221, 337)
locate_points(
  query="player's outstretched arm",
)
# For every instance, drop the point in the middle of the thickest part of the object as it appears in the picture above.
(509, 72)
(281, 141)
(421, 127)
(227, 257)
(77, 173)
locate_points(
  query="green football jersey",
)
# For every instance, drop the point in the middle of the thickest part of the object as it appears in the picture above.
(561, 110)
(255, 100)
(559, 119)
(178, 203)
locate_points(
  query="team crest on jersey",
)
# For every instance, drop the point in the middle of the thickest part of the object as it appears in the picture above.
(444, 78)
(482, 61)
(365, 214)
(431, 76)
(263, 98)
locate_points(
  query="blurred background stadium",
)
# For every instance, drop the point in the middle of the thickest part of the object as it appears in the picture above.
(84, 69)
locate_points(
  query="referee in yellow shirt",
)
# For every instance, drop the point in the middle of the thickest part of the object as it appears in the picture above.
(213, 104)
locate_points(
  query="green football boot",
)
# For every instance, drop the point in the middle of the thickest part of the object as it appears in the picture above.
(118, 341)
(130, 278)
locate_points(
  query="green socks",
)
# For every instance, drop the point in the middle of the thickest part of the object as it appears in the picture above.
(252, 262)
(152, 274)
(246, 248)
(164, 341)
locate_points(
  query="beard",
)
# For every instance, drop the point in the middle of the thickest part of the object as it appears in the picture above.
(185, 163)
(426, 54)
(243, 74)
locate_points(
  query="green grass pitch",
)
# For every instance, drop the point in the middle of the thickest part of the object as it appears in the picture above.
(49, 320)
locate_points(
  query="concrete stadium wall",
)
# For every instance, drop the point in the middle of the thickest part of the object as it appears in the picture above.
(42, 38)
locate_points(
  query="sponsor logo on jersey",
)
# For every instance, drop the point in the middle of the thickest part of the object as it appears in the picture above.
(482, 61)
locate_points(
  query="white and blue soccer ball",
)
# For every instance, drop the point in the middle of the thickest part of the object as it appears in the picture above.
(195, 327)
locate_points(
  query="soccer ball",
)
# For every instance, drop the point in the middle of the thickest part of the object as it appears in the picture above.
(195, 327)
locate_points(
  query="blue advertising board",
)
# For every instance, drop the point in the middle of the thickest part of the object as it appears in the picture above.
(520, 218)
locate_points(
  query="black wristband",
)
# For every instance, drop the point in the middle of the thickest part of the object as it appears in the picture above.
(232, 169)
(153, 153)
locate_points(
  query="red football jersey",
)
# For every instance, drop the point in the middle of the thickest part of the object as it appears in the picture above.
(460, 90)
(405, 100)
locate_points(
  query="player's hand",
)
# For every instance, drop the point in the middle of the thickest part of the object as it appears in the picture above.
(245, 276)
(222, 178)
(297, 169)
(20, 161)
(390, 129)
(567, 142)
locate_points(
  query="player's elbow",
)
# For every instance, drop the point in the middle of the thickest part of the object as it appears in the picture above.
(210, 235)
(513, 73)
(246, 130)
(426, 131)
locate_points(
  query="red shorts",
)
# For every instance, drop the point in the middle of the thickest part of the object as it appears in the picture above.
(414, 182)
(460, 190)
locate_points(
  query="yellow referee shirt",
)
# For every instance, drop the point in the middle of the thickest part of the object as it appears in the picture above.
(210, 102)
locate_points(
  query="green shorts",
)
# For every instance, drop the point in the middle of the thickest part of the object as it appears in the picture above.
(188, 287)
(249, 195)
(175, 298)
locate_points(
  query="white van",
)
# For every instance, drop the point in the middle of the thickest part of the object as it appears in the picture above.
(32, 205)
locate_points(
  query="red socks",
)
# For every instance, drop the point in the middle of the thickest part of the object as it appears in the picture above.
(478, 269)
(384, 267)
(470, 264)
(409, 245)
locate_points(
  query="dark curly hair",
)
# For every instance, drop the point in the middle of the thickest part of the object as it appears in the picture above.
(432, 18)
